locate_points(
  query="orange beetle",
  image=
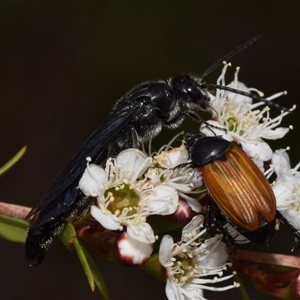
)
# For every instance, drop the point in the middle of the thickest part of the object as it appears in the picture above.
(239, 190)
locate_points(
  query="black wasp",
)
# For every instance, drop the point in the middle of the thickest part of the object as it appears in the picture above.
(136, 117)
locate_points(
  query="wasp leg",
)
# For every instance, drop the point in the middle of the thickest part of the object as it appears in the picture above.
(121, 142)
(177, 120)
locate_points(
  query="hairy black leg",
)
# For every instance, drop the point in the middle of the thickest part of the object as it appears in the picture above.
(296, 233)
(180, 117)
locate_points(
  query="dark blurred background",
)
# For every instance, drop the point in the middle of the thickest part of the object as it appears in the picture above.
(63, 65)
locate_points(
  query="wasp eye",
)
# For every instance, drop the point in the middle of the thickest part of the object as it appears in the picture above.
(195, 93)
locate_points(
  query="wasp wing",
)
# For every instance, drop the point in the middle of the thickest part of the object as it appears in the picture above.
(96, 147)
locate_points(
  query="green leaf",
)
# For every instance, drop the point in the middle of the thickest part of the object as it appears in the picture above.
(13, 160)
(94, 277)
(153, 266)
(12, 229)
(242, 289)
(67, 236)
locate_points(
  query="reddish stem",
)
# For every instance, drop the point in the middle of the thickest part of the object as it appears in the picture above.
(268, 258)
(14, 211)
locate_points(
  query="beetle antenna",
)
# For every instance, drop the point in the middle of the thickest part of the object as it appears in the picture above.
(229, 55)
(250, 95)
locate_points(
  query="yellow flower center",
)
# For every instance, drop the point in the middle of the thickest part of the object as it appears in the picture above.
(184, 267)
(123, 199)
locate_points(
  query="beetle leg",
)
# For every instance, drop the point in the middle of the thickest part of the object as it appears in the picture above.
(228, 237)
(290, 227)
(184, 165)
(212, 212)
(209, 127)
(210, 209)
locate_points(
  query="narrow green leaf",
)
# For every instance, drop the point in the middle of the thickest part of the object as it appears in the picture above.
(90, 269)
(98, 279)
(14, 221)
(84, 263)
(94, 277)
(12, 229)
(13, 160)
(242, 289)
(67, 236)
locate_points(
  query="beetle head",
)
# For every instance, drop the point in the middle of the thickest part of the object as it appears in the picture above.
(203, 149)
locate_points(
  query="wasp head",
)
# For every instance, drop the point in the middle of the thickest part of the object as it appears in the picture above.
(189, 89)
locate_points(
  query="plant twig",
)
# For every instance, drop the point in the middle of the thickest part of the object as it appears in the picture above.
(14, 211)
(268, 258)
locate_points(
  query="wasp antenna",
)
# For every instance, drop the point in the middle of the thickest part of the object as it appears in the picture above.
(254, 97)
(229, 55)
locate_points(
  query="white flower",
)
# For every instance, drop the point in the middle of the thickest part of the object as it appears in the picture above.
(172, 158)
(287, 187)
(193, 265)
(131, 251)
(183, 179)
(125, 197)
(237, 119)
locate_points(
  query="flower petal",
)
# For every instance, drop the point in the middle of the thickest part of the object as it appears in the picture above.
(131, 251)
(172, 291)
(172, 158)
(216, 129)
(216, 256)
(283, 191)
(259, 148)
(134, 161)
(275, 134)
(292, 216)
(193, 225)
(183, 213)
(91, 182)
(163, 200)
(165, 250)
(281, 161)
(141, 232)
(193, 203)
(105, 219)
